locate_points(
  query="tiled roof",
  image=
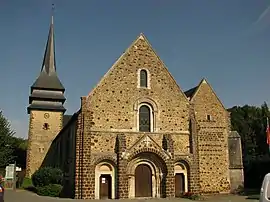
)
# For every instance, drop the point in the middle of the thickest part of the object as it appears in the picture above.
(189, 93)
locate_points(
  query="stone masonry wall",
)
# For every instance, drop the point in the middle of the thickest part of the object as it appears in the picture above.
(194, 171)
(212, 141)
(181, 143)
(104, 147)
(39, 138)
(113, 107)
(78, 166)
(132, 144)
(61, 154)
(102, 142)
(108, 125)
(85, 173)
(113, 102)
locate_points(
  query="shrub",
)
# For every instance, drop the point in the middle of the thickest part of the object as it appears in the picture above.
(27, 182)
(52, 190)
(28, 185)
(46, 176)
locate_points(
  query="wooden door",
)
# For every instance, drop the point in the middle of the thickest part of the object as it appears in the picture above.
(179, 184)
(105, 187)
(143, 181)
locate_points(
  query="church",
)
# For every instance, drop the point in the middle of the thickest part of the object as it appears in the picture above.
(135, 135)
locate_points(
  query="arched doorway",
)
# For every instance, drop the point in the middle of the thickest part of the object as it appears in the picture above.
(143, 181)
(180, 179)
(146, 176)
(104, 181)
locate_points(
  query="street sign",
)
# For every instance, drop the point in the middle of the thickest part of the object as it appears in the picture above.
(10, 172)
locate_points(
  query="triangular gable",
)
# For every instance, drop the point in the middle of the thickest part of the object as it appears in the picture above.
(204, 81)
(140, 37)
(147, 142)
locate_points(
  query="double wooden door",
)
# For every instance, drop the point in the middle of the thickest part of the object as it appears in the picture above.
(143, 181)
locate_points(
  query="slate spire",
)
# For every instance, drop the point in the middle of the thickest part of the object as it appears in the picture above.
(47, 92)
(48, 65)
(48, 78)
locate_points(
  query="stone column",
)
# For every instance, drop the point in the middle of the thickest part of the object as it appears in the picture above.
(85, 172)
(122, 179)
(235, 160)
(168, 145)
(170, 185)
(78, 163)
(88, 165)
(194, 175)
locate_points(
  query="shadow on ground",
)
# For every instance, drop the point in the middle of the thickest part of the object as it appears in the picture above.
(253, 194)
(254, 197)
(26, 196)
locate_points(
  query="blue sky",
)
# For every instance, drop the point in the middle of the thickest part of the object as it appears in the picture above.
(225, 41)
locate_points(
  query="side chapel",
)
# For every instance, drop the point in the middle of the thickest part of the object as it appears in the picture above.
(136, 134)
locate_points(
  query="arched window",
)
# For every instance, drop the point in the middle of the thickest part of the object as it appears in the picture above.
(144, 119)
(143, 78)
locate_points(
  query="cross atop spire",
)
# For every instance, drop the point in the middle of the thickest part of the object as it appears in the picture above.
(52, 13)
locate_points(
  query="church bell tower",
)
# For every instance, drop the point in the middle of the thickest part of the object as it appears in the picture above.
(45, 108)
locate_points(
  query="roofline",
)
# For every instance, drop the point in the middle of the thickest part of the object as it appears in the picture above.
(29, 109)
(164, 65)
(141, 36)
(198, 88)
(192, 90)
(44, 88)
(31, 98)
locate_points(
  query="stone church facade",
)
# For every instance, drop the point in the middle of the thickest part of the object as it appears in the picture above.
(136, 134)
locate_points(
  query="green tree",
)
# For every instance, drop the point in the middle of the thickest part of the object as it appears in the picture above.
(6, 148)
(250, 122)
(19, 146)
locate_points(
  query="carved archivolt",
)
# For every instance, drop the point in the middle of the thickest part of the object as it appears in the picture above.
(107, 158)
(150, 101)
(185, 160)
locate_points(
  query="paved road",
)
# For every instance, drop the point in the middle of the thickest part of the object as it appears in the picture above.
(24, 196)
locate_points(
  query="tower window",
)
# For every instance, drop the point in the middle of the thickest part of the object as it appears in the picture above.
(45, 126)
(143, 78)
(144, 119)
(208, 117)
